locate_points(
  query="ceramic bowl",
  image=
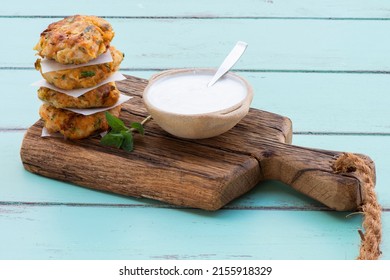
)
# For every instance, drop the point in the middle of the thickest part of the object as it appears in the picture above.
(202, 125)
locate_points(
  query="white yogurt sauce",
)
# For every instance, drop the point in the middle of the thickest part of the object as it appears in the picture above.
(188, 94)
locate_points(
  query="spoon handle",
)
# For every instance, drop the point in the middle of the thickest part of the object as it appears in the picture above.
(229, 61)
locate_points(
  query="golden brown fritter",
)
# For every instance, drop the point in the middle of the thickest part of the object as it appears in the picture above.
(83, 77)
(75, 39)
(104, 96)
(73, 125)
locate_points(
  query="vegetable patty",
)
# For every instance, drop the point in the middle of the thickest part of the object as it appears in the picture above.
(75, 39)
(73, 125)
(85, 76)
(104, 96)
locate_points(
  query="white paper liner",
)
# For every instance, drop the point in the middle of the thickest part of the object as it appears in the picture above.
(50, 65)
(80, 91)
(46, 133)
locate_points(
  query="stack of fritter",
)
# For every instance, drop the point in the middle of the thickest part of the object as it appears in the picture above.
(76, 41)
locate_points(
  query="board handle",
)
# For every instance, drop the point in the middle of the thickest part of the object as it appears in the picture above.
(311, 172)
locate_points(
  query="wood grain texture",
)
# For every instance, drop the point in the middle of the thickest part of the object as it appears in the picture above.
(256, 149)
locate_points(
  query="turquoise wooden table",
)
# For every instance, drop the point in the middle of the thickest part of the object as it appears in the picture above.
(324, 64)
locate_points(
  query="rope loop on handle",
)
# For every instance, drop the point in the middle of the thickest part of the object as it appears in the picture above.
(372, 235)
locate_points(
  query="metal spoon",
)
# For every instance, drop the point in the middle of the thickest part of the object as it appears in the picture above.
(229, 61)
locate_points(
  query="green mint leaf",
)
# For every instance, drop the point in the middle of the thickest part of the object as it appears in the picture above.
(120, 136)
(112, 139)
(85, 74)
(139, 127)
(127, 143)
(115, 123)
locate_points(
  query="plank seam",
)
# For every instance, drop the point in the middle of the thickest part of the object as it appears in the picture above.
(167, 206)
(308, 133)
(194, 17)
(337, 133)
(380, 72)
(13, 129)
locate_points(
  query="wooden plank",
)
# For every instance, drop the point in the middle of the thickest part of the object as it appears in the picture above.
(17, 84)
(136, 233)
(286, 45)
(319, 99)
(204, 8)
(316, 102)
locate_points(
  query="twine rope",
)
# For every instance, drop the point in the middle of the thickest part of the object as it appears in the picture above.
(371, 238)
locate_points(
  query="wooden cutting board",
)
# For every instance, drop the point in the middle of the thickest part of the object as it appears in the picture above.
(204, 174)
